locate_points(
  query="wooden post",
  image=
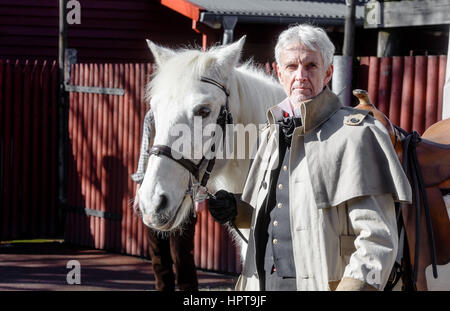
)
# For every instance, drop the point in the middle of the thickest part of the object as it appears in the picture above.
(349, 31)
(344, 65)
(63, 107)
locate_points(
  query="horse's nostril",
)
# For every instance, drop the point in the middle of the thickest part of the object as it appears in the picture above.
(162, 202)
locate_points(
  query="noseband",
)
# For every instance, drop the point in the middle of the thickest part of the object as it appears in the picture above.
(197, 187)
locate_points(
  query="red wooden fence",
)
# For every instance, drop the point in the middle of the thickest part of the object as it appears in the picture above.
(28, 127)
(105, 132)
(409, 89)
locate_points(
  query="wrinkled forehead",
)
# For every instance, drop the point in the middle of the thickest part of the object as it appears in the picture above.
(299, 51)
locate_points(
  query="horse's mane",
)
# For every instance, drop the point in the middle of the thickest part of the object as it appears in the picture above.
(183, 70)
(268, 93)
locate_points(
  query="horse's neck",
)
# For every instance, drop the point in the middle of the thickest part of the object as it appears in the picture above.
(251, 95)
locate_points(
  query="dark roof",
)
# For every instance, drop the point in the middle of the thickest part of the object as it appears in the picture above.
(283, 11)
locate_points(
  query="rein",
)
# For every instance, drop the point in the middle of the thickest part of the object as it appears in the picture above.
(197, 190)
(411, 165)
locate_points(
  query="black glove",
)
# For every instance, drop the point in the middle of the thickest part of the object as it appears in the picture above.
(223, 207)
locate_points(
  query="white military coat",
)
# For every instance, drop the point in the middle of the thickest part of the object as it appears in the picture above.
(343, 179)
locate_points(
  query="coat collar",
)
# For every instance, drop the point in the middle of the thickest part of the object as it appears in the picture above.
(315, 111)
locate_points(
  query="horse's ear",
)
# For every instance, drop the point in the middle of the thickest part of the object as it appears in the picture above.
(161, 54)
(229, 55)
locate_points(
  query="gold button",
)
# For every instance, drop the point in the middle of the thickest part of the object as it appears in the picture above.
(275, 241)
(275, 223)
(280, 186)
(279, 205)
(285, 168)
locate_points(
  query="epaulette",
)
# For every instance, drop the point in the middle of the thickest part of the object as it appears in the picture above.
(357, 117)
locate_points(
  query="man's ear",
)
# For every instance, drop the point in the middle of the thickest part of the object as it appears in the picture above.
(161, 54)
(279, 73)
(328, 74)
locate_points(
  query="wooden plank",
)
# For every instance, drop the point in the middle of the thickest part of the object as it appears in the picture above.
(431, 94)
(17, 207)
(7, 130)
(217, 246)
(35, 143)
(384, 84)
(46, 217)
(210, 262)
(120, 72)
(96, 156)
(420, 77)
(134, 121)
(410, 13)
(54, 147)
(396, 90)
(372, 86)
(90, 171)
(204, 240)
(27, 150)
(197, 241)
(407, 94)
(363, 73)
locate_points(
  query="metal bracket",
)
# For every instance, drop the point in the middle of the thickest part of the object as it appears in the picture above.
(94, 90)
(71, 58)
(92, 212)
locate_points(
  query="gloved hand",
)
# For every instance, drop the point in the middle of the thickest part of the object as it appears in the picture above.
(223, 207)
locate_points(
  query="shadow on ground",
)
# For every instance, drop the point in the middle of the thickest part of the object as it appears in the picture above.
(43, 266)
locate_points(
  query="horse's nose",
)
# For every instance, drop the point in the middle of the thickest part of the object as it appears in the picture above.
(160, 202)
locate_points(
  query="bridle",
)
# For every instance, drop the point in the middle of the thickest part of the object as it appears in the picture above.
(197, 188)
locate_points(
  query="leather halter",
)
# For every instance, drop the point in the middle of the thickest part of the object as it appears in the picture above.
(223, 119)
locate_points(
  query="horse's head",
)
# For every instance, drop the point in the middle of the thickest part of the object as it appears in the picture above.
(183, 107)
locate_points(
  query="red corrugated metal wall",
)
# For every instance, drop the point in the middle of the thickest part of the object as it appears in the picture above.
(28, 127)
(408, 89)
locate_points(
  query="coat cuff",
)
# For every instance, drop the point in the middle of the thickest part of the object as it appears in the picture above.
(351, 284)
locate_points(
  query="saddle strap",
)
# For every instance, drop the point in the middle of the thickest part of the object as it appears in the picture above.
(410, 164)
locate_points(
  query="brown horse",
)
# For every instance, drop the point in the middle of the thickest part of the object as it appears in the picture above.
(422, 246)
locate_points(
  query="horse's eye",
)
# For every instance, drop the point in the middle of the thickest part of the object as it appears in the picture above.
(203, 112)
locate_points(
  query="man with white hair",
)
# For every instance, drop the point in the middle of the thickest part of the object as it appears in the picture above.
(322, 186)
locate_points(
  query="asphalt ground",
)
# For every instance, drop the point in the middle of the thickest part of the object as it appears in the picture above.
(52, 266)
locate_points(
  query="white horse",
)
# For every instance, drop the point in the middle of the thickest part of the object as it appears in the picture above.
(177, 96)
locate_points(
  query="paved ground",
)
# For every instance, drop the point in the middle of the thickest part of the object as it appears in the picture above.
(42, 266)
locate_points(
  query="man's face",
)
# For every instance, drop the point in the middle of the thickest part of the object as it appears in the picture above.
(302, 72)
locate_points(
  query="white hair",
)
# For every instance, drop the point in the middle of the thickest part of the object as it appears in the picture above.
(310, 36)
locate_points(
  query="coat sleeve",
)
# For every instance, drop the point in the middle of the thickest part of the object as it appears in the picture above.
(148, 134)
(373, 221)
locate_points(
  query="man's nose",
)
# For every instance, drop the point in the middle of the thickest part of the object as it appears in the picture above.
(300, 74)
